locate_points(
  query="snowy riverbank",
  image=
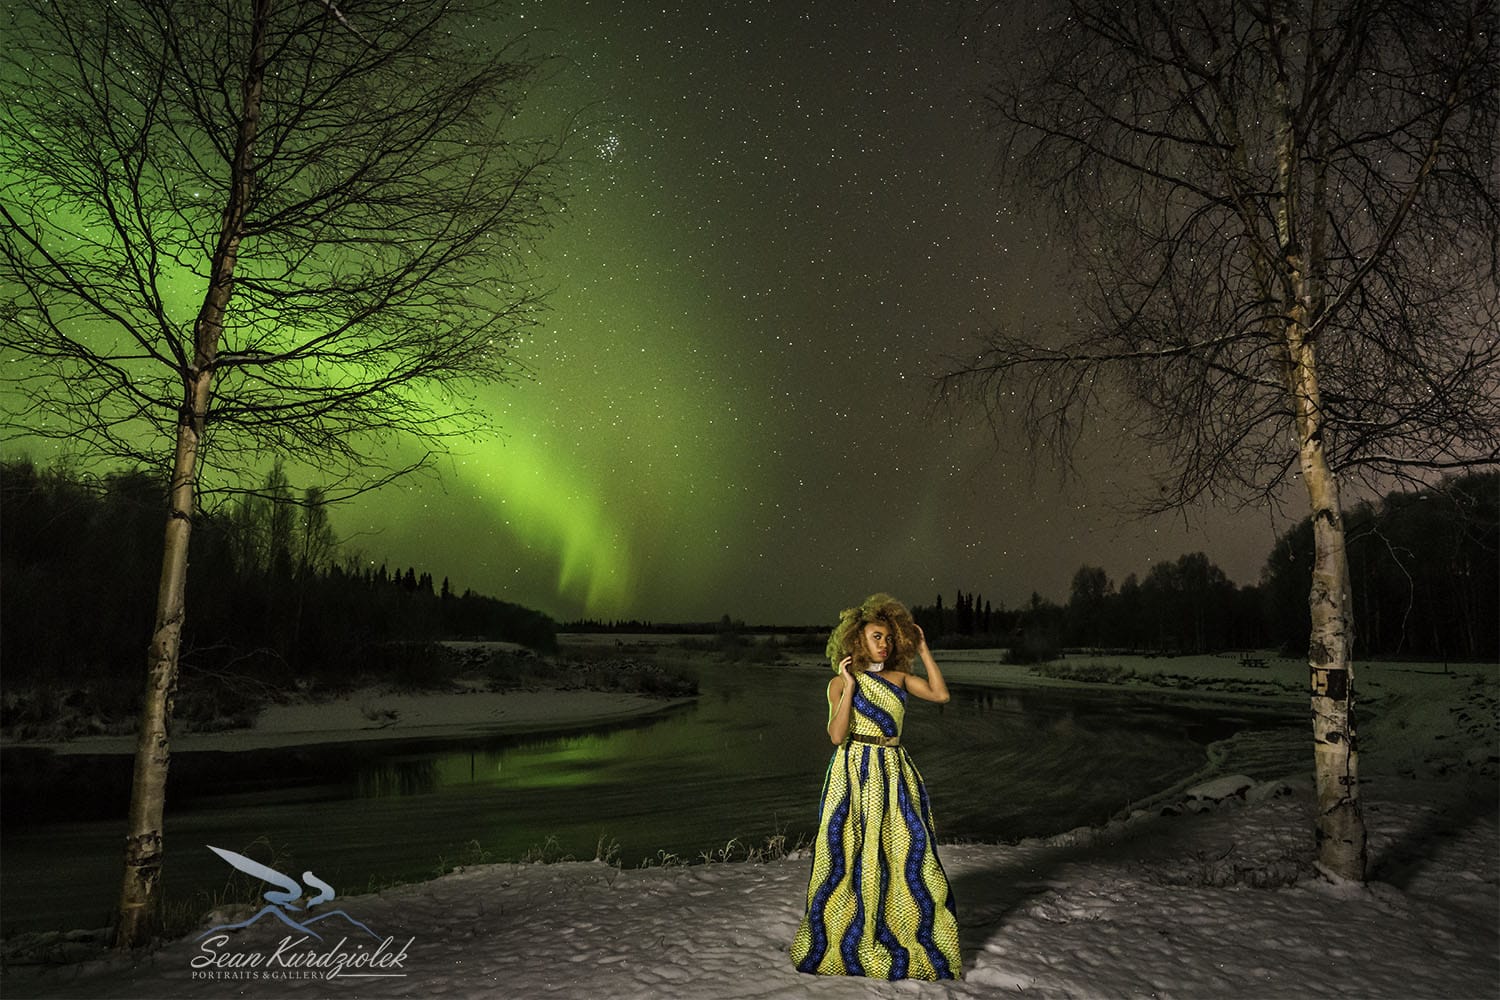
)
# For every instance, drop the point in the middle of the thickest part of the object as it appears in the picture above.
(375, 714)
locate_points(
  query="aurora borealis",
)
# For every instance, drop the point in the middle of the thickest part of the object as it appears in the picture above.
(782, 225)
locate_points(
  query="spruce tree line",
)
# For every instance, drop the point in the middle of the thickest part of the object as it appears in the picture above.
(1424, 571)
(277, 603)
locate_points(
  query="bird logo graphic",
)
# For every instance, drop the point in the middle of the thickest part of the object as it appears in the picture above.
(282, 901)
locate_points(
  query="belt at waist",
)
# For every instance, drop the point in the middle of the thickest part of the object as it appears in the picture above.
(879, 741)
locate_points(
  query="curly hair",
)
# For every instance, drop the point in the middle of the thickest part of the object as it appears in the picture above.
(847, 637)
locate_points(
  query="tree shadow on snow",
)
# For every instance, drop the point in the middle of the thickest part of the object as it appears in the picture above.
(987, 896)
(1453, 806)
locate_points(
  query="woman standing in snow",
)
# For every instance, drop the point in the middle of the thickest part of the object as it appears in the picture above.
(878, 902)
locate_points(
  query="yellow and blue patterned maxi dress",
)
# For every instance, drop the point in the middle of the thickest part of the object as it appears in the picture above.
(878, 902)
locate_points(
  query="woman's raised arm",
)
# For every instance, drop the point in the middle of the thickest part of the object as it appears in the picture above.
(932, 687)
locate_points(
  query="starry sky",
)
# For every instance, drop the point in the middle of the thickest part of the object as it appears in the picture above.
(782, 223)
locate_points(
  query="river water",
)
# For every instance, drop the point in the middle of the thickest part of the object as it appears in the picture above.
(744, 763)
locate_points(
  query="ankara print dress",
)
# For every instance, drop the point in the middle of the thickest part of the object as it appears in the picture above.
(878, 903)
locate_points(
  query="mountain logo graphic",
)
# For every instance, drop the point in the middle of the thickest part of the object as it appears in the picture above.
(282, 901)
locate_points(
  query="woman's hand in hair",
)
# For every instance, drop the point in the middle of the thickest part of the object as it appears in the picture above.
(932, 687)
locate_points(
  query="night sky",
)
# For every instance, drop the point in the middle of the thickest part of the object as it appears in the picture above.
(783, 225)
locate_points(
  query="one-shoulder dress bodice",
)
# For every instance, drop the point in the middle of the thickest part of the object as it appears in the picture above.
(879, 707)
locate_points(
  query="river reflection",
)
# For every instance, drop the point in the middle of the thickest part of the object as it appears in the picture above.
(745, 761)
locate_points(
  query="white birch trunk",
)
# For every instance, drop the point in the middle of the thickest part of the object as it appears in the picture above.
(1340, 828)
(140, 894)
(1301, 237)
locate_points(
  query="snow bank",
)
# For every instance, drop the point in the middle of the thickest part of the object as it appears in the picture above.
(377, 714)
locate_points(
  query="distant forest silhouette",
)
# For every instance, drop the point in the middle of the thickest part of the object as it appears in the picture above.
(1424, 565)
(276, 604)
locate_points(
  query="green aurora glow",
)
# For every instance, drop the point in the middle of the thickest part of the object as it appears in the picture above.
(783, 229)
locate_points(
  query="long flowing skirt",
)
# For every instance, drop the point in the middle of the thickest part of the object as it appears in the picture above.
(878, 902)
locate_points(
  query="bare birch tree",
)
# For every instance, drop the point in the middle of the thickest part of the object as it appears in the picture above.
(243, 228)
(1284, 216)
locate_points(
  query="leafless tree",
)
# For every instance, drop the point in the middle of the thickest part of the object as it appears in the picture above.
(1284, 215)
(243, 228)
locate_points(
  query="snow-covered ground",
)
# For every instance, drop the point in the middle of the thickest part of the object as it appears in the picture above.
(1218, 900)
(374, 714)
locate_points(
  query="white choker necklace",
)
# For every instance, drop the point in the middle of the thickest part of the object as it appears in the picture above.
(876, 668)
